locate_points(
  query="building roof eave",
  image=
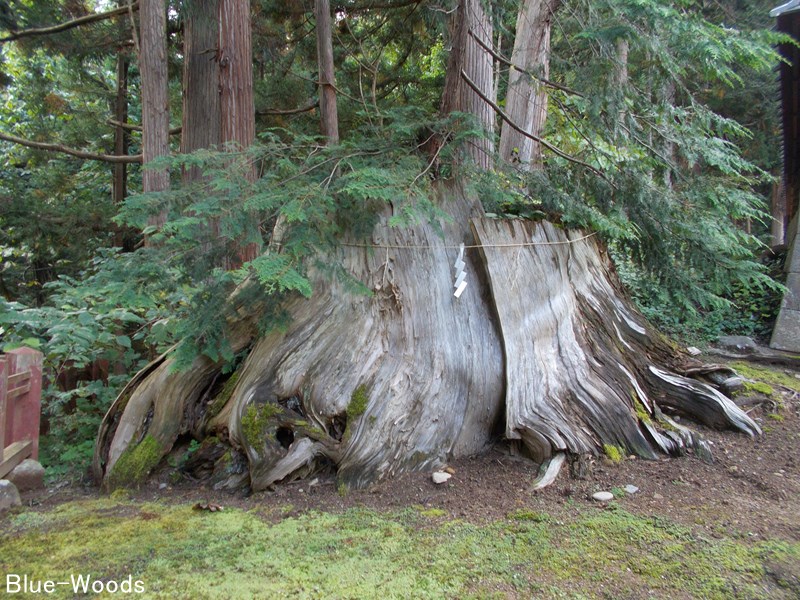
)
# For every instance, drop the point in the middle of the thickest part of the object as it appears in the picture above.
(791, 6)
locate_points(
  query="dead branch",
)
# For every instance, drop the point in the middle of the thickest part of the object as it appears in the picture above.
(287, 111)
(111, 158)
(508, 63)
(501, 113)
(93, 18)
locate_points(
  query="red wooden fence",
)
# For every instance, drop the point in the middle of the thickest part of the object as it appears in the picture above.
(20, 407)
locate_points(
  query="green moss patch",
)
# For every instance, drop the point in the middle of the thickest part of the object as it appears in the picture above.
(613, 453)
(759, 387)
(135, 464)
(224, 395)
(766, 375)
(358, 402)
(361, 554)
(256, 421)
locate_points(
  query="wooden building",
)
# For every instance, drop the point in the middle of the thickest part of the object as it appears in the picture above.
(786, 335)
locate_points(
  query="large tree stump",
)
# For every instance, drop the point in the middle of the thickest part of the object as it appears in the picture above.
(542, 344)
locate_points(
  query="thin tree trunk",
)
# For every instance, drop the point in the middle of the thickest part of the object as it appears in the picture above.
(467, 55)
(621, 75)
(121, 136)
(526, 99)
(155, 98)
(327, 82)
(778, 206)
(119, 185)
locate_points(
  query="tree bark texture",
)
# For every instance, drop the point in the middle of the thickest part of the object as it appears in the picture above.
(467, 55)
(327, 83)
(202, 119)
(541, 344)
(237, 108)
(155, 99)
(121, 136)
(526, 98)
(236, 74)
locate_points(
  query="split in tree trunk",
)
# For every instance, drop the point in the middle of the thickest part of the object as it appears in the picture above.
(542, 345)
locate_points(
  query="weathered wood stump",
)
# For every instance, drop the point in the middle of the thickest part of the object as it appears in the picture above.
(542, 345)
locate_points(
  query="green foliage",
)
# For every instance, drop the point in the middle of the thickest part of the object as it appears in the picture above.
(676, 189)
(316, 194)
(96, 330)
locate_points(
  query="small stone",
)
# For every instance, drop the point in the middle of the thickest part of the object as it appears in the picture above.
(732, 384)
(631, 489)
(162, 486)
(9, 495)
(658, 497)
(740, 343)
(440, 477)
(603, 496)
(27, 475)
(450, 470)
(694, 351)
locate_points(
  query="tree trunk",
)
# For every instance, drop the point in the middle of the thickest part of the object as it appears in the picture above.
(237, 108)
(155, 98)
(526, 99)
(327, 82)
(121, 136)
(202, 119)
(541, 344)
(778, 210)
(238, 123)
(469, 21)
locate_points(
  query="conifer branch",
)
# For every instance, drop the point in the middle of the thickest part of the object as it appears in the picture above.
(93, 18)
(111, 158)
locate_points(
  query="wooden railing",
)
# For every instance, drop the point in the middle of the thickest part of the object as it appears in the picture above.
(20, 407)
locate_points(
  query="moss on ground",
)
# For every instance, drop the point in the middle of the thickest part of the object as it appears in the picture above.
(759, 387)
(361, 553)
(613, 453)
(766, 375)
